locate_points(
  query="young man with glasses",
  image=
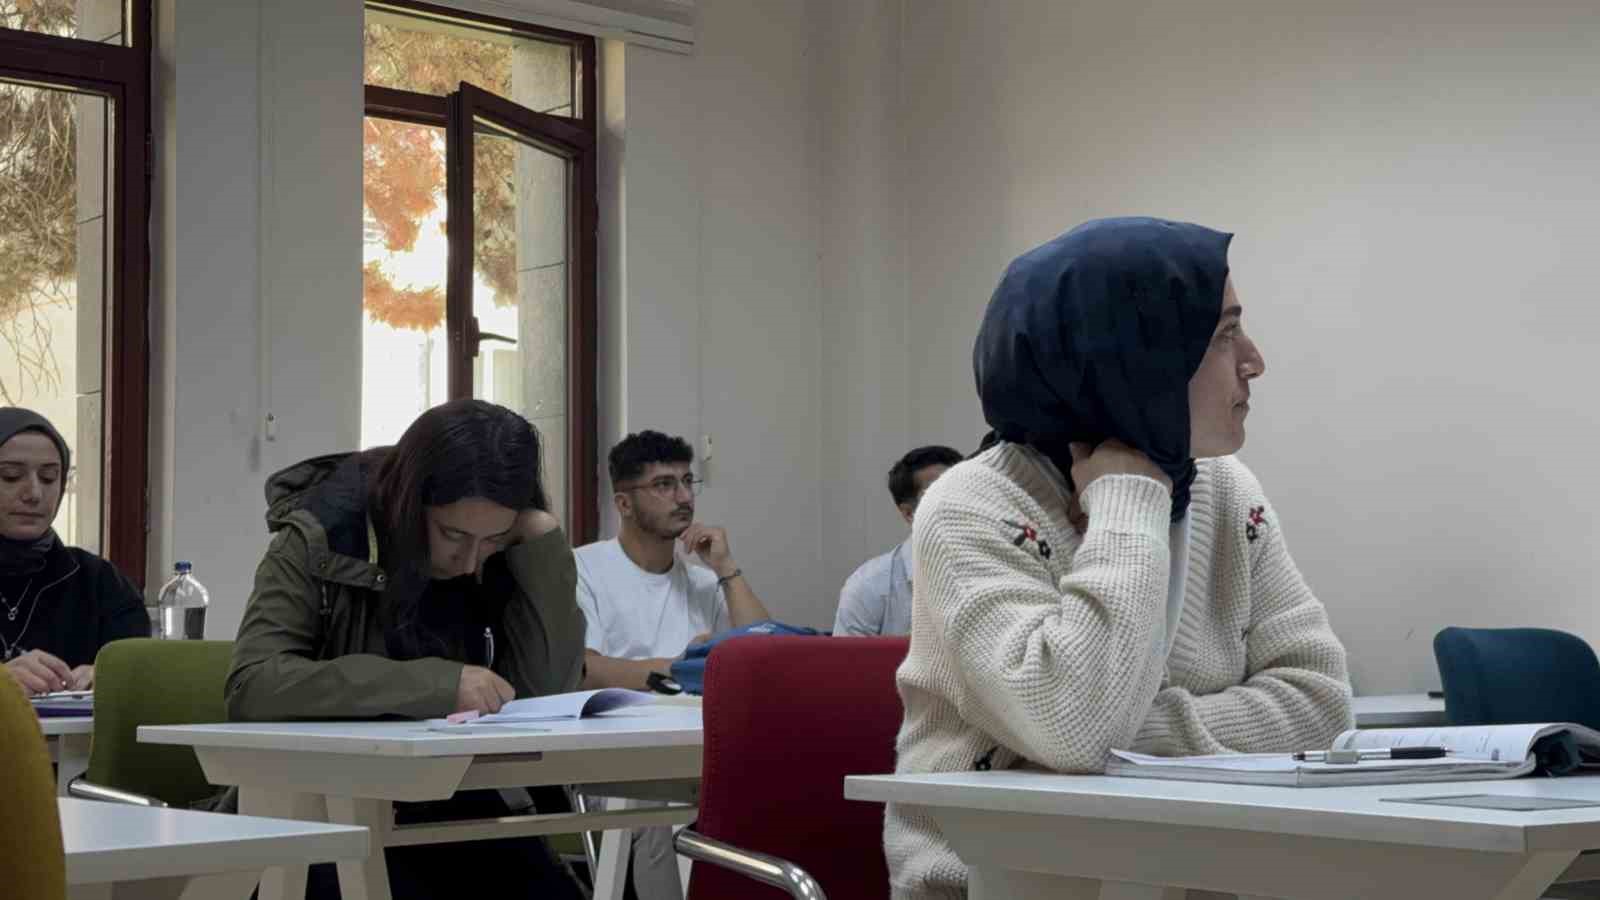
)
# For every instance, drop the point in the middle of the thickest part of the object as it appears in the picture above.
(644, 602)
(876, 599)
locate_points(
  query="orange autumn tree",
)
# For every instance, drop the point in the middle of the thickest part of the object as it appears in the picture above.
(404, 170)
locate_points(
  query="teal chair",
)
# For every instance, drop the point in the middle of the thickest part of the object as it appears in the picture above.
(1498, 676)
(149, 682)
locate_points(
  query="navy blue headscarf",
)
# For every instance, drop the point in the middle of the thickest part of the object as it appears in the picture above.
(1096, 334)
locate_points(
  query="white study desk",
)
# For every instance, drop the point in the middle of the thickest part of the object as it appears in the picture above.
(1034, 835)
(1398, 711)
(136, 851)
(67, 738)
(352, 772)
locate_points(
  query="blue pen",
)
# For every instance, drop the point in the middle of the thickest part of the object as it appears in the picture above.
(488, 648)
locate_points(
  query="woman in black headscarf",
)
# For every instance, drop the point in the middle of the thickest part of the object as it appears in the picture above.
(58, 605)
(1104, 574)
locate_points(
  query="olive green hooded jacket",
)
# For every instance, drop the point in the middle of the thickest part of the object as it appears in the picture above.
(311, 645)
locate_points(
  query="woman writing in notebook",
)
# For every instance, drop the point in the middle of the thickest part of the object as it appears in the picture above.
(1105, 574)
(58, 605)
(416, 581)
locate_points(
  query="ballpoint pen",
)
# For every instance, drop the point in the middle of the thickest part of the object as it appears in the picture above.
(1355, 756)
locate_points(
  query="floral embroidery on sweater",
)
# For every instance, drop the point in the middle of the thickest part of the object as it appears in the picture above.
(1258, 518)
(1028, 534)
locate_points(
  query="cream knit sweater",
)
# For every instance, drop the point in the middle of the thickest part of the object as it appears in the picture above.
(1033, 646)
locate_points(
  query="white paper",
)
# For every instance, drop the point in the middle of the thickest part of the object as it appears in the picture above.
(574, 705)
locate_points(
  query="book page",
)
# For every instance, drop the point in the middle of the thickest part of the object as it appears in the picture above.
(573, 705)
(608, 699)
(1236, 762)
(1500, 743)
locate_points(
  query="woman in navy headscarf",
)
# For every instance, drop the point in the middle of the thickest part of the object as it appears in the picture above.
(1104, 574)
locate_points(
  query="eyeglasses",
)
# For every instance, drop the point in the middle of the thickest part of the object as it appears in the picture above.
(666, 486)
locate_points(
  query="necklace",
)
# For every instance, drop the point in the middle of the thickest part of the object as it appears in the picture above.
(13, 608)
(13, 649)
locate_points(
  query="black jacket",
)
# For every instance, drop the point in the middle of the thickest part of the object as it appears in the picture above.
(77, 604)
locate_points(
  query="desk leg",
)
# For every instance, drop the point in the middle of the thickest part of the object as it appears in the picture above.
(285, 882)
(364, 879)
(225, 886)
(72, 759)
(1538, 872)
(611, 876)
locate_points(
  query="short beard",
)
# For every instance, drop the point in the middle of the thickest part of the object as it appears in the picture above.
(664, 527)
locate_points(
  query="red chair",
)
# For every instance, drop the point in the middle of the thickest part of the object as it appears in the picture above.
(786, 719)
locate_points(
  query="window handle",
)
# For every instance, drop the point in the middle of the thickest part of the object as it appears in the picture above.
(476, 337)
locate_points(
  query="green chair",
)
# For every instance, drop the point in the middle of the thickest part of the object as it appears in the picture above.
(149, 682)
(34, 865)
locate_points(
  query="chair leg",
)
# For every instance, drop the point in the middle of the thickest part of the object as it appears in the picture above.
(610, 877)
(580, 805)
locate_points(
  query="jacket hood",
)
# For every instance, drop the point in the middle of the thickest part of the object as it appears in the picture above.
(325, 497)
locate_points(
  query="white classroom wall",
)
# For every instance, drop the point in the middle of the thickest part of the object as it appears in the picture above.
(258, 196)
(1413, 190)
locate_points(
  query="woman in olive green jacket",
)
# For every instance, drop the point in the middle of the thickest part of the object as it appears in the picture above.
(416, 581)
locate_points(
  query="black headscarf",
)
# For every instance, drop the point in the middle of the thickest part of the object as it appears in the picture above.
(1096, 334)
(27, 557)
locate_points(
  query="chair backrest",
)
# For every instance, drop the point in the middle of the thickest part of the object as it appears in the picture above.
(786, 719)
(149, 682)
(1496, 676)
(33, 864)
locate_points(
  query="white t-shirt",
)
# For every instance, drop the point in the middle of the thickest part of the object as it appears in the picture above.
(634, 614)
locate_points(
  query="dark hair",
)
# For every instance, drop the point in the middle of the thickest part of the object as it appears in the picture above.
(636, 451)
(902, 477)
(460, 449)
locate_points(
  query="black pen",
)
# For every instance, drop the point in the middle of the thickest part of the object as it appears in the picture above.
(1355, 756)
(488, 648)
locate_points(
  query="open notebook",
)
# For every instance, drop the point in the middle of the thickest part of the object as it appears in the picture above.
(534, 710)
(1476, 753)
(64, 703)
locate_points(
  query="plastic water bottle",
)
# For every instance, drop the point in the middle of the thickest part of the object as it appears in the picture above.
(183, 606)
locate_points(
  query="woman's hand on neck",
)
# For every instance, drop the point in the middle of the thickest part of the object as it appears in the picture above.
(1076, 515)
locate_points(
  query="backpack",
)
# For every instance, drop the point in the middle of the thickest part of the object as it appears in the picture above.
(690, 671)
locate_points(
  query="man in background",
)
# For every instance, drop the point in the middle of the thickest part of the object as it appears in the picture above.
(876, 599)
